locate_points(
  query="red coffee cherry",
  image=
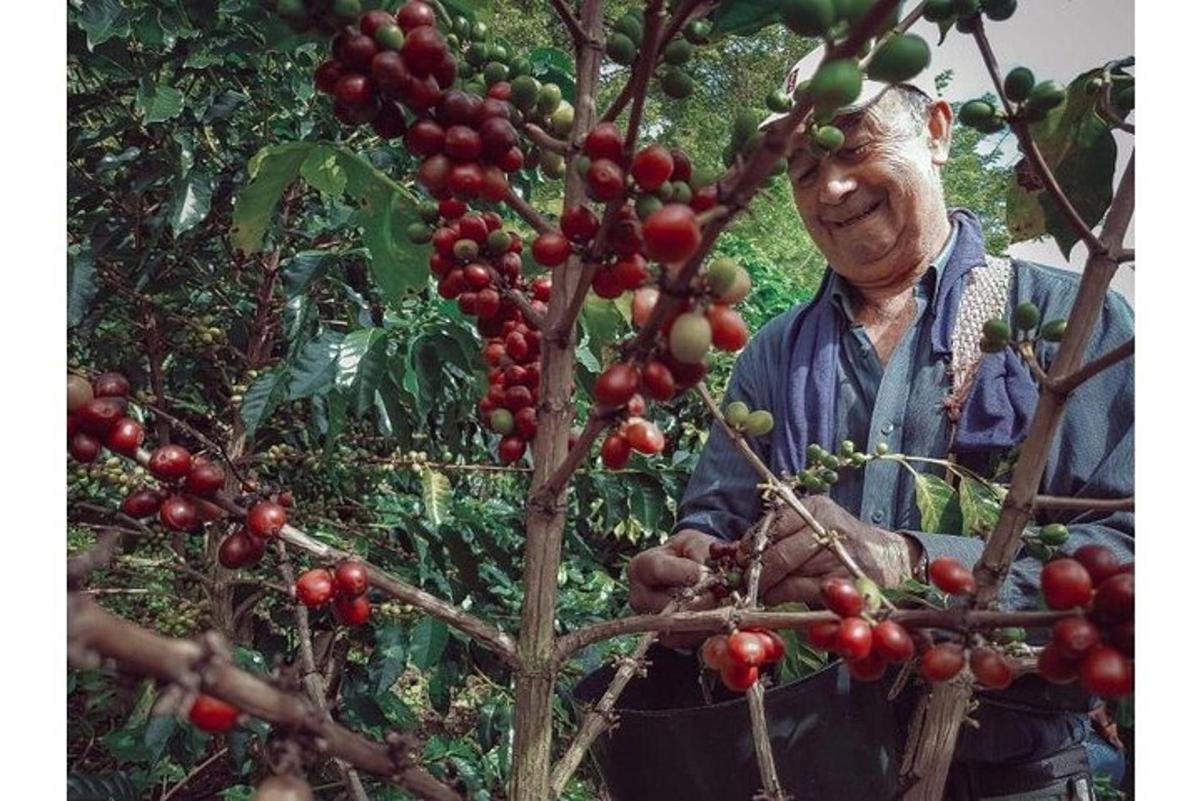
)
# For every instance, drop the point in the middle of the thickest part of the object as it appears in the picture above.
(212, 714)
(657, 381)
(616, 385)
(1066, 584)
(1099, 561)
(951, 576)
(551, 249)
(327, 76)
(1114, 599)
(715, 652)
(992, 670)
(644, 436)
(1120, 637)
(823, 634)
(169, 462)
(240, 549)
(942, 662)
(671, 234)
(604, 142)
(615, 451)
(579, 224)
(1075, 636)
(745, 648)
(683, 166)
(652, 167)
(606, 180)
(351, 610)
(423, 50)
(204, 479)
(1106, 672)
(266, 519)
(853, 638)
(110, 385)
(354, 90)
(141, 503)
(1056, 666)
(840, 595)
(774, 647)
(739, 678)
(314, 587)
(511, 447)
(99, 415)
(415, 14)
(351, 578)
(177, 513)
(83, 447)
(891, 642)
(125, 437)
(870, 668)
(631, 272)
(729, 330)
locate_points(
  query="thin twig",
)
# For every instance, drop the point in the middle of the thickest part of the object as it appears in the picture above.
(527, 212)
(194, 773)
(1105, 104)
(1068, 383)
(578, 37)
(1083, 504)
(545, 141)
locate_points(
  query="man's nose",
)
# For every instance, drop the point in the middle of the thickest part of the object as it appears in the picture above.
(836, 184)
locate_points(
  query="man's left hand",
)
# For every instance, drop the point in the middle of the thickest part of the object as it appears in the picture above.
(794, 563)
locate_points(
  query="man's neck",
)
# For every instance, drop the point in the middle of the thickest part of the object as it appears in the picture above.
(892, 297)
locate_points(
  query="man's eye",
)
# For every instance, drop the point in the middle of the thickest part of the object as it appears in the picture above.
(858, 151)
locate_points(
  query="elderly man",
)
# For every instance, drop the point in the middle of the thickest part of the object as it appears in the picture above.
(887, 352)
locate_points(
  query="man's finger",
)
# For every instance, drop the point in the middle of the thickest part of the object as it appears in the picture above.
(794, 588)
(662, 569)
(785, 557)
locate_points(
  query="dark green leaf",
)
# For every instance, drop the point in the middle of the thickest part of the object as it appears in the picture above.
(192, 200)
(302, 269)
(271, 170)
(223, 105)
(435, 496)
(980, 504)
(158, 102)
(100, 787)
(103, 20)
(262, 397)
(938, 504)
(743, 17)
(429, 638)
(158, 730)
(81, 282)
(361, 361)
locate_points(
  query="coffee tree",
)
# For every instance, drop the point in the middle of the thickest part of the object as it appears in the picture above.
(513, 226)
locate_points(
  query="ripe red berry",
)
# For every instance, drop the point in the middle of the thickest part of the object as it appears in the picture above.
(204, 479)
(951, 576)
(644, 436)
(314, 587)
(605, 180)
(745, 648)
(83, 447)
(658, 381)
(465, 180)
(266, 519)
(631, 272)
(774, 647)
(525, 421)
(354, 89)
(729, 331)
(1106, 672)
(1066, 584)
(942, 662)
(415, 14)
(495, 185)
(327, 76)
(715, 652)
(177, 513)
(823, 634)
(616, 385)
(212, 714)
(372, 21)
(352, 610)
(99, 415)
(870, 668)
(651, 167)
(1114, 599)
(170, 462)
(579, 224)
(1075, 636)
(840, 595)
(1098, 560)
(615, 451)
(511, 448)
(423, 50)
(739, 678)
(644, 300)
(425, 138)
(671, 234)
(1120, 637)
(604, 142)
(991, 669)
(541, 288)
(125, 437)
(141, 503)
(241, 549)
(853, 638)
(356, 50)
(891, 641)
(110, 385)
(551, 249)
(683, 166)
(1057, 667)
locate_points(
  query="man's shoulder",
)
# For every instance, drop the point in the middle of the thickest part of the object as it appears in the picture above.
(1054, 289)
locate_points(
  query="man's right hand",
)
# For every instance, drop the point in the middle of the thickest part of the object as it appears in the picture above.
(657, 575)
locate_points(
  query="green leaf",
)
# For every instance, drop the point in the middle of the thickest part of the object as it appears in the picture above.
(100, 787)
(647, 501)
(315, 367)
(743, 17)
(81, 282)
(271, 170)
(551, 65)
(158, 102)
(192, 200)
(158, 731)
(980, 504)
(223, 105)
(361, 361)
(302, 269)
(323, 170)
(1078, 146)
(389, 658)
(938, 504)
(103, 20)
(435, 496)
(262, 397)
(429, 638)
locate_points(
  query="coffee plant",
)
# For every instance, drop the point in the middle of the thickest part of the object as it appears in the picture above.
(391, 337)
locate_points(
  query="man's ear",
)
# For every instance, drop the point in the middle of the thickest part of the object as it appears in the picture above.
(940, 125)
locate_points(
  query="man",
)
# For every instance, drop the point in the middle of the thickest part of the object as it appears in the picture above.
(887, 353)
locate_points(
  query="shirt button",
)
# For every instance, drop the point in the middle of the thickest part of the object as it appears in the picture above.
(877, 516)
(887, 429)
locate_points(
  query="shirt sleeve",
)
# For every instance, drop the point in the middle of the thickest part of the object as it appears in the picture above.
(722, 497)
(1091, 457)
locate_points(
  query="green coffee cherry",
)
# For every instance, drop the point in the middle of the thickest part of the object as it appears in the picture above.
(999, 10)
(520, 66)
(830, 462)
(477, 54)
(1018, 84)
(812, 482)
(829, 476)
(562, 120)
(466, 249)
(1027, 316)
(461, 27)
(814, 452)
(836, 84)
(621, 49)
(1054, 534)
(992, 345)
(677, 52)
(647, 205)
(1054, 330)
(666, 192)
(495, 72)
(846, 448)
(682, 193)
(498, 52)
(870, 592)
(808, 17)
(630, 25)
(1045, 96)
(429, 212)
(829, 138)
(419, 233)
(736, 414)
(548, 98)
(938, 10)
(1011, 634)
(499, 241)
(881, 449)
(698, 32)
(997, 330)
(976, 113)
(501, 421)
(389, 37)
(759, 423)
(676, 83)
(721, 275)
(479, 31)
(552, 164)
(900, 59)
(778, 101)
(524, 92)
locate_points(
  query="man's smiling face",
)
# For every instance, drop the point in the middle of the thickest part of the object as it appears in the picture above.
(871, 207)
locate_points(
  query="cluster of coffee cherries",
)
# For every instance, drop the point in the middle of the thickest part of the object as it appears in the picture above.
(1028, 325)
(345, 585)
(738, 656)
(264, 520)
(1096, 646)
(625, 41)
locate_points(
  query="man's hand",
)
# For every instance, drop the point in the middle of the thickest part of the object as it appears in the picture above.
(794, 564)
(657, 575)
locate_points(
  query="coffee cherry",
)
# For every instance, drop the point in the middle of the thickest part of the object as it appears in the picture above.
(870, 668)
(511, 449)
(651, 167)
(125, 437)
(351, 610)
(1056, 666)
(644, 300)
(840, 596)
(315, 587)
(759, 423)
(631, 272)
(204, 479)
(657, 381)
(551, 249)
(891, 641)
(823, 634)
(240, 549)
(99, 415)
(690, 338)
(1099, 561)
(715, 652)
(1120, 637)
(79, 392)
(351, 578)
(729, 331)
(1107, 673)
(141, 503)
(266, 519)
(739, 678)
(671, 234)
(177, 513)
(83, 447)
(110, 385)
(354, 90)
(1075, 636)
(1054, 534)
(169, 462)
(1066, 584)
(415, 14)
(525, 421)
(951, 577)
(745, 648)
(644, 436)
(991, 669)
(423, 50)
(616, 385)
(853, 638)
(615, 451)
(579, 224)
(774, 648)
(606, 180)
(942, 662)
(1114, 599)
(604, 142)
(212, 714)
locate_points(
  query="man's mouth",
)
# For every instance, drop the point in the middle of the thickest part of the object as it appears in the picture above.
(857, 218)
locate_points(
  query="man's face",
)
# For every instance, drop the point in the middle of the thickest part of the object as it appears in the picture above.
(874, 207)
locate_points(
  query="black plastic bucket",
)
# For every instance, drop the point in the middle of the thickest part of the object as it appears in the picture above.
(834, 739)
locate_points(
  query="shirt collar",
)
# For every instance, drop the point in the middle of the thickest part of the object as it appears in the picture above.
(841, 292)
